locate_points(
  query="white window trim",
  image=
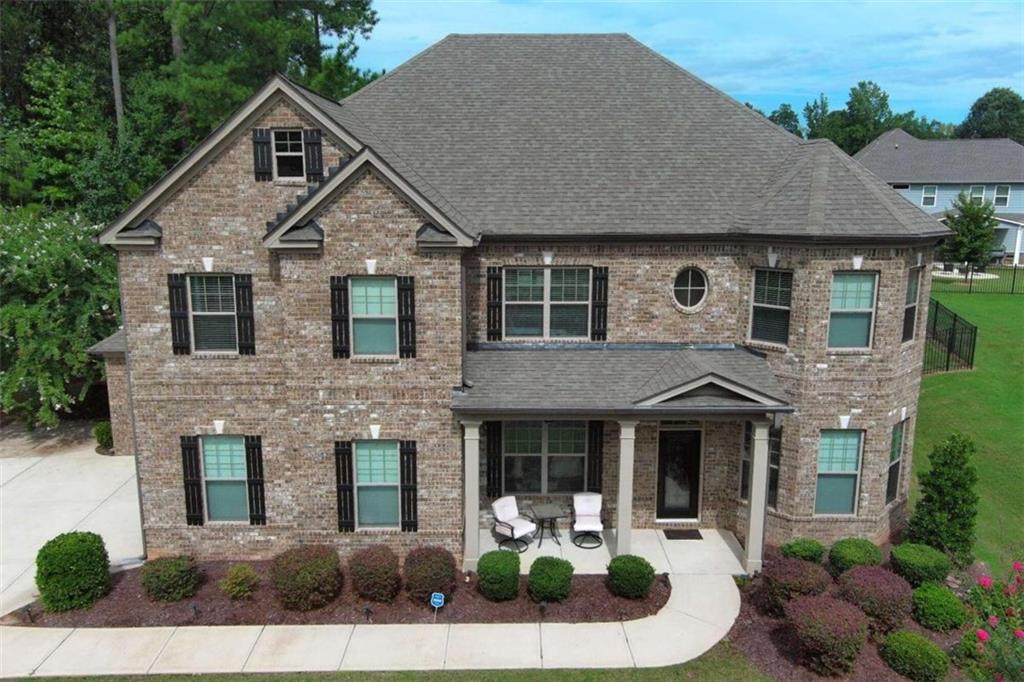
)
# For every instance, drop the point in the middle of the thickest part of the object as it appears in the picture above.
(1005, 197)
(352, 319)
(193, 313)
(933, 195)
(357, 485)
(753, 304)
(202, 472)
(898, 463)
(916, 305)
(546, 303)
(544, 456)
(301, 154)
(980, 196)
(872, 310)
(856, 486)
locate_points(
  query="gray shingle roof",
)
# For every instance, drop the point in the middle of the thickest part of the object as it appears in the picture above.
(115, 344)
(612, 378)
(898, 156)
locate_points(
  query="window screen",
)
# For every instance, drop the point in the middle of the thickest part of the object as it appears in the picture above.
(213, 312)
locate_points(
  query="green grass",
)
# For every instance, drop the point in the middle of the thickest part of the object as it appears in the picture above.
(986, 404)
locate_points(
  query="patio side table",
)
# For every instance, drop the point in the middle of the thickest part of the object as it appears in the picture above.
(547, 515)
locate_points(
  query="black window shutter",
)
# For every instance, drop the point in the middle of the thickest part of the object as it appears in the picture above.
(314, 154)
(494, 304)
(406, 317)
(254, 479)
(339, 316)
(346, 492)
(177, 294)
(262, 160)
(595, 455)
(193, 475)
(407, 466)
(599, 305)
(492, 431)
(244, 315)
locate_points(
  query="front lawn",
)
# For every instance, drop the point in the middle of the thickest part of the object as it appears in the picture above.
(986, 404)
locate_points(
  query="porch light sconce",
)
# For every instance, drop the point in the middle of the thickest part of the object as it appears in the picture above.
(549, 257)
(773, 259)
(844, 421)
(371, 266)
(903, 414)
(208, 263)
(374, 431)
(218, 426)
(858, 262)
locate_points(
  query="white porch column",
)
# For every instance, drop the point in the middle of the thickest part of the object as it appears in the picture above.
(624, 508)
(471, 495)
(1016, 245)
(758, 499)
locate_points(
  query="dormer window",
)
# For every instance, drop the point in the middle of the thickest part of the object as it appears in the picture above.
(288, 162)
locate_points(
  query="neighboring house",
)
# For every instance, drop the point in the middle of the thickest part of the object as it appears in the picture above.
(529, 265)
(932, 173)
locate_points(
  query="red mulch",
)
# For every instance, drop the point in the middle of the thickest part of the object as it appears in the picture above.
(127, 606)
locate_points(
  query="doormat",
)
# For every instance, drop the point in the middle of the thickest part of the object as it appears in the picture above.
(675, 534)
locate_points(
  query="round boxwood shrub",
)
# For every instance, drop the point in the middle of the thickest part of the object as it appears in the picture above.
(72, 571)
(913, 656)
(499, 575)
(550, 579)
(307, 577)
(429, 570)
(937, 608)
(807, 549)
(881, 594)
(784, 579)
(851, 552)
(374, 572)
(171, 578)
(239, 582)
(830, 631)
(104, 435)
(630, 576)
(920, 564)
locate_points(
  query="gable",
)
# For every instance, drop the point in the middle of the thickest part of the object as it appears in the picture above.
(712, 389)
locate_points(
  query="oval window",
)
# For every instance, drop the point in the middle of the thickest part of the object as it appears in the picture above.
(690, 288)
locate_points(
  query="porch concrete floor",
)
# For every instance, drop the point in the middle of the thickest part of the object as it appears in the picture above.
(718, 553)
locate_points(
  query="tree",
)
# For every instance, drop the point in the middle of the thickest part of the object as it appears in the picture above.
(816, 114)
(115, 69)
(786, 118)
(973, 228)
(997, 113)
(945, 515)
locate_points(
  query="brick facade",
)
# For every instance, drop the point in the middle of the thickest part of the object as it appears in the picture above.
(116, 370)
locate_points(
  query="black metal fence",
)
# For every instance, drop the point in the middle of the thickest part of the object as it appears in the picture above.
(990, 279)
(950, 341)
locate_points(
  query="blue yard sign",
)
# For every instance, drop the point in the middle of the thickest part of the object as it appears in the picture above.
(437, 601)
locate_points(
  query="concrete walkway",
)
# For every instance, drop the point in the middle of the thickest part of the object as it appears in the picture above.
(698, 614)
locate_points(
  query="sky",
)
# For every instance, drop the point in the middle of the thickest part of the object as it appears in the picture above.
(933, 57)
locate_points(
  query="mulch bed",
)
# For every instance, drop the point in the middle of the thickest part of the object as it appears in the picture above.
(128, 606)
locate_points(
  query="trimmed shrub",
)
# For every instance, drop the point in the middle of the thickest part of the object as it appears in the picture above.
(499, 575)
(831, 632)
(851, 552)
(913, 656)
(428, 570)
(550, 579)
(807, 549)
(239, 582)
(784, 579)
(937, 608)
(630, 576)
(307, 577)
(171, 578)
(920, 564)
(72, 571)
(375, 574)
(881, 594)
(104, 435)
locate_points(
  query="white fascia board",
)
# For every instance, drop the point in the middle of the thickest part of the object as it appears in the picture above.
(739, 389)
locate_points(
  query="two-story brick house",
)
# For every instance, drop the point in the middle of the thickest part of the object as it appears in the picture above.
(528, 265)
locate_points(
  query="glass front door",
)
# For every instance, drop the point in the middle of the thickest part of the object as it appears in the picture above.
(678, 474)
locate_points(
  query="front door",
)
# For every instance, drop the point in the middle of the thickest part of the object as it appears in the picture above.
(678, 474)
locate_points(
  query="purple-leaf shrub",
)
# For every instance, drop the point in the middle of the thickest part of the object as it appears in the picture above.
(830, 631)
(880, 593)
(784, 579)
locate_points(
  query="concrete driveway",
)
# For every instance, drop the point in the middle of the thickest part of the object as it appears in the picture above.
(54, 482)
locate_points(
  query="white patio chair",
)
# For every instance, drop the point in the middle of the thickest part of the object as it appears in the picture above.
(586, 520)
(509, 523)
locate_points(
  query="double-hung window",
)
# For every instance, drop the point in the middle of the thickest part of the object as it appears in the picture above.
(774, 459)
(892, 483)
(224, 478)
(547, 303)
(1002, 197)
(852, 310)
(374, 316)
(773, 292)
(377, 481)
(544, 457)
(288, 161)
(977, 194)
(910, 305)
(838, 472)
(212, 300)
(928, 195)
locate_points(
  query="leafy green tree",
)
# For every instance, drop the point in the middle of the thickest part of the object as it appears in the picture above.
(997, 113)
(786, 118)
(945, 515)
(816, 114)
(973, 228)
(60, 297)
